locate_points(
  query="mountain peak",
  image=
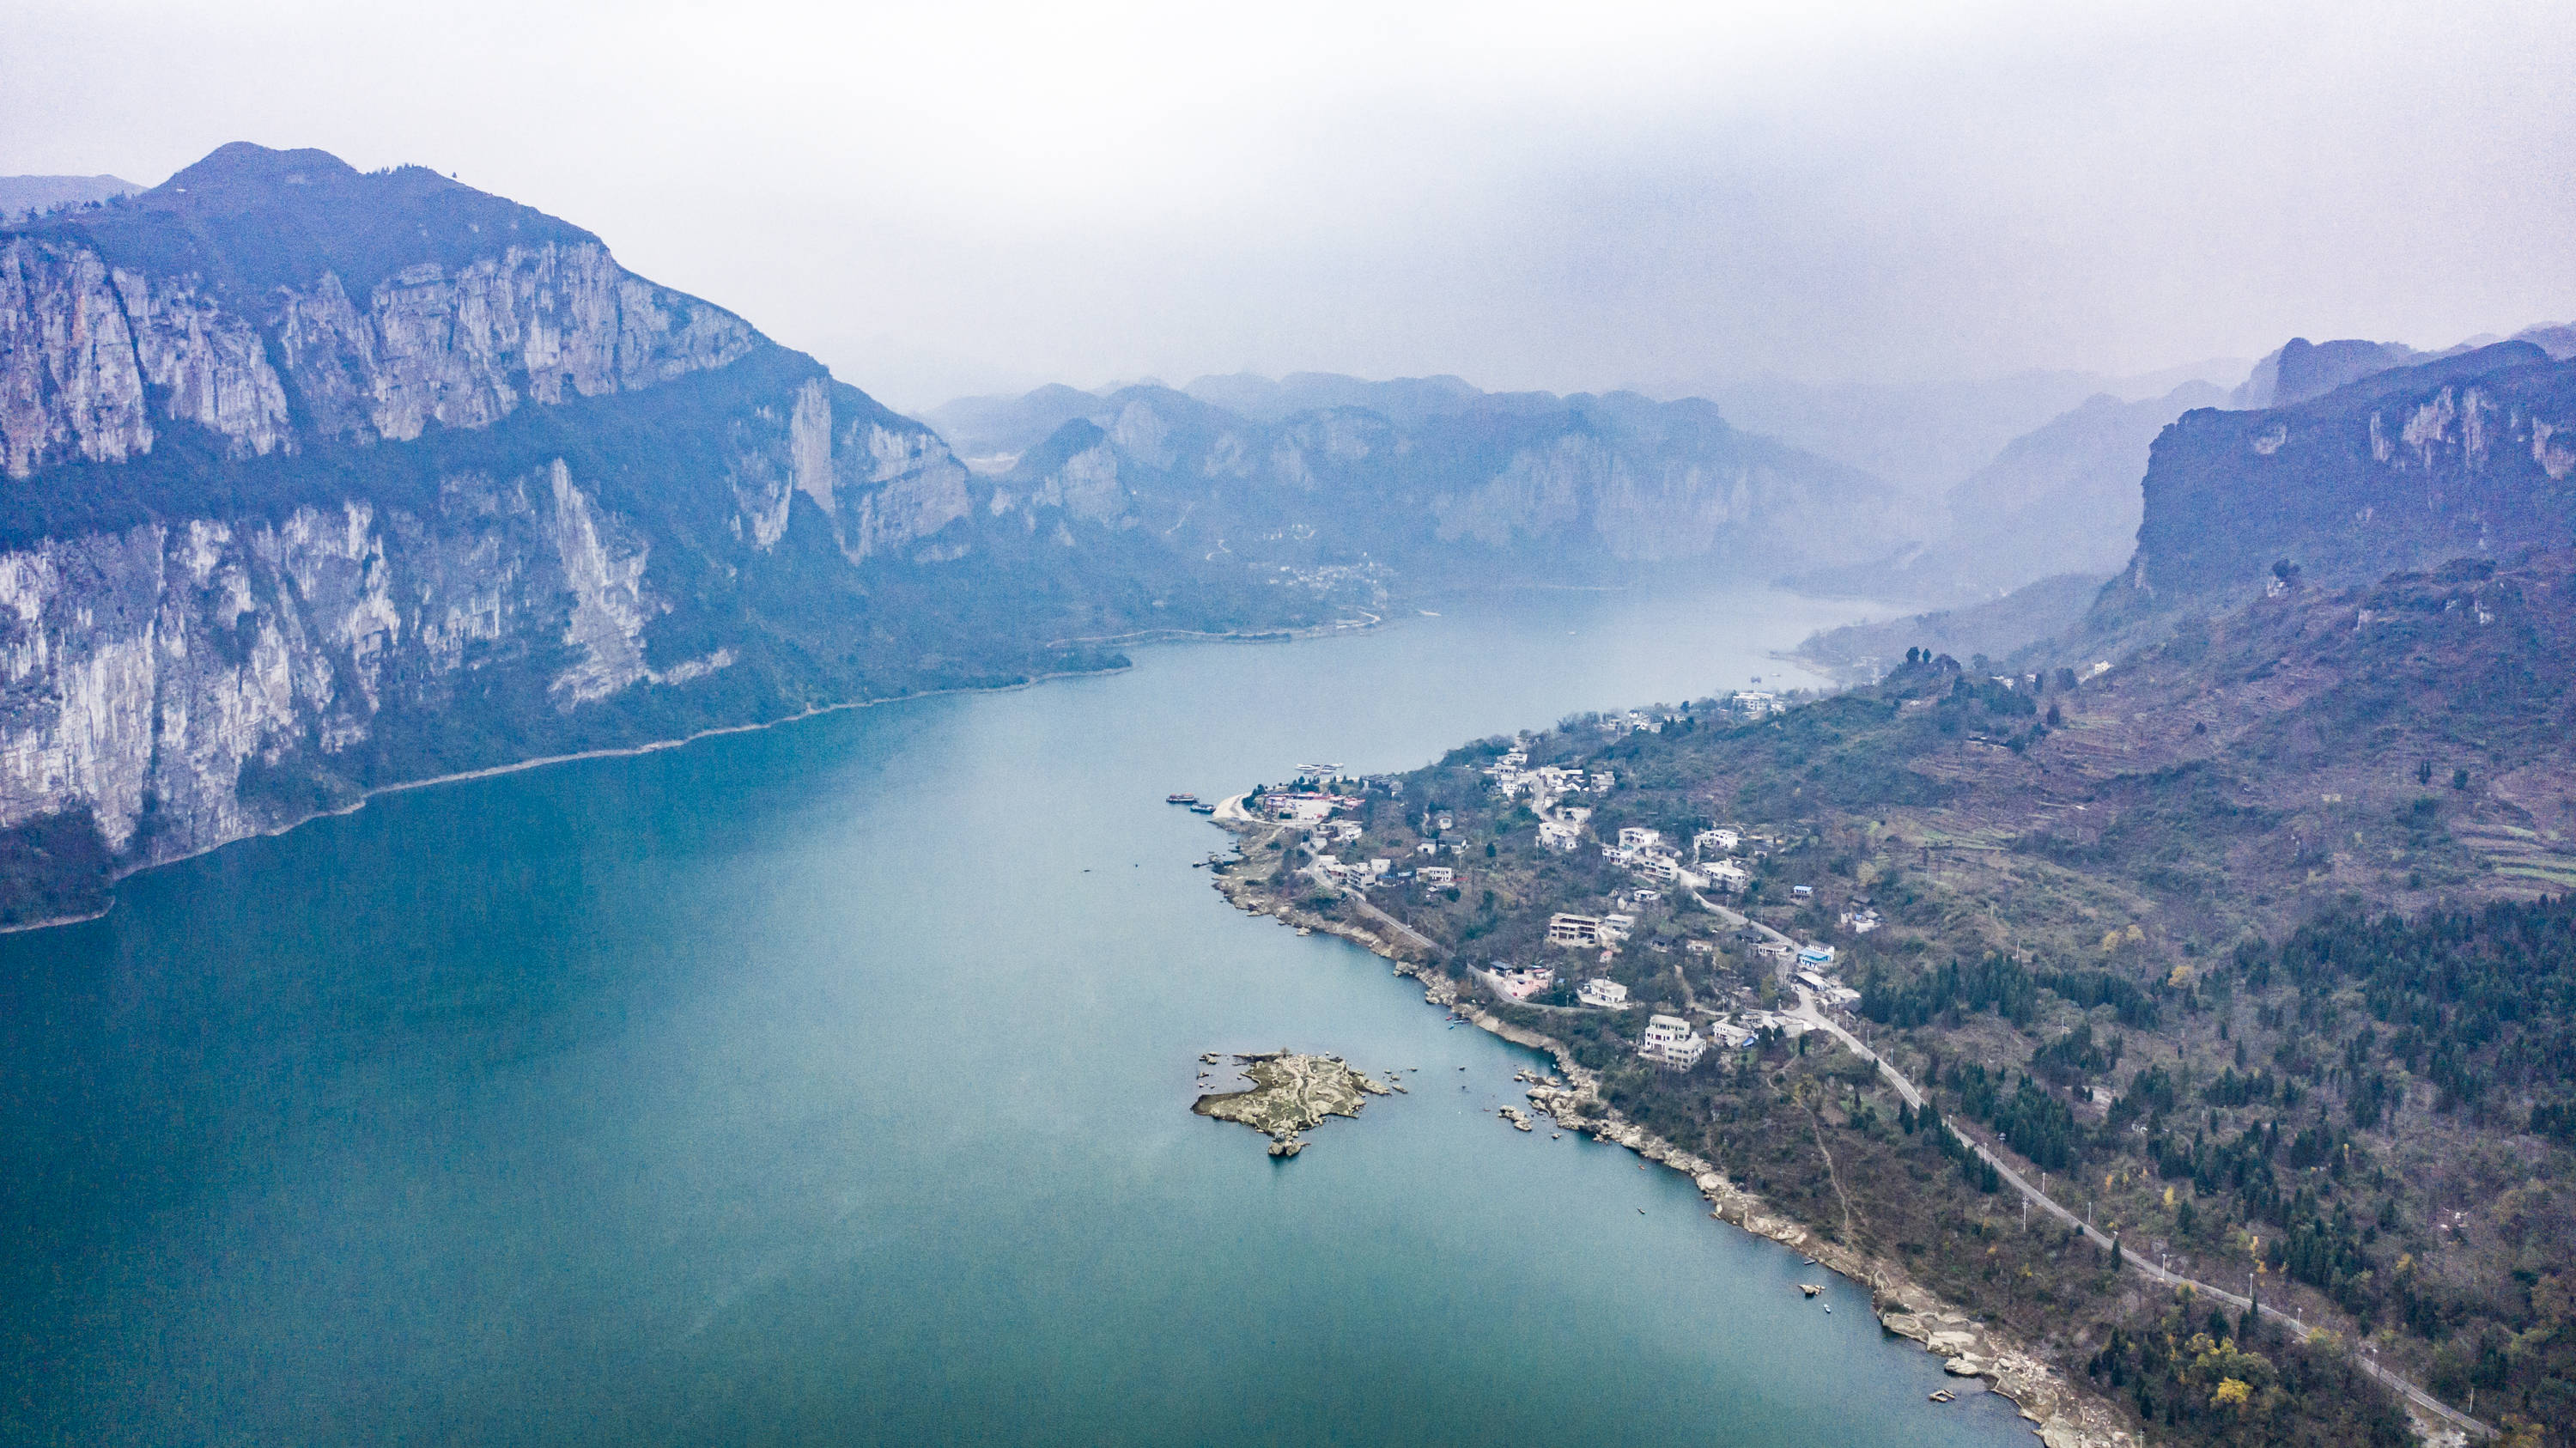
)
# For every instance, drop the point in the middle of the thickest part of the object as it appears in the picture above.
(248, 164)
(251, 218)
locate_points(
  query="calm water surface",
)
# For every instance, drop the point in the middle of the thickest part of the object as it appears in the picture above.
(830, 1085)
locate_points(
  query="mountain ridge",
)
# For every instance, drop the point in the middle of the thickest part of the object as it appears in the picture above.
(319, 481)
(1436, 478)
(2463, 455)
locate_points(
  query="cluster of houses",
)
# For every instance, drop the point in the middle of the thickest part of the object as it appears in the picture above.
(1670, 1042)
(1635, 721)
(1359, 873)
(1712, 865)
(1379, 870)
(1511, 774)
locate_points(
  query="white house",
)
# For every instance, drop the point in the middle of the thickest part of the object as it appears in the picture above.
(1609, 995)
(1730, 1035)
(1722, 841)
(1561, 838)
(1670, 1044)
(1634, 837)
(1656, 867)
(1617, 927)
(1521, 984)
(1727, 875)
(1438, 875)
(1818, 956)
(1602, 780)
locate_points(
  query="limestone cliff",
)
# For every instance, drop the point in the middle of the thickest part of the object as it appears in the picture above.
(103, 336)
(313, 482)
(2464, 456)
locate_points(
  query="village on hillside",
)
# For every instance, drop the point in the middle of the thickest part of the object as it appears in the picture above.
(1663, 931)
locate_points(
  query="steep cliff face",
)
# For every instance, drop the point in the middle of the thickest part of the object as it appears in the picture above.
(189, 680)
(314, 482)
(2468, 456)
(150, 672)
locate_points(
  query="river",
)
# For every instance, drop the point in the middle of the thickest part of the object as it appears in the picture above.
(829, 1084)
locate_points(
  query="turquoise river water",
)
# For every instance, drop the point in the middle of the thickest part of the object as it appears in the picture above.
(830, 1085)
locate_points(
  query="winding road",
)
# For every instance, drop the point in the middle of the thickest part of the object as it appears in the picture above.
(1809, 1011)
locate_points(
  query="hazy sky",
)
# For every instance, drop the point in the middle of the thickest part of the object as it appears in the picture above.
(933, 197)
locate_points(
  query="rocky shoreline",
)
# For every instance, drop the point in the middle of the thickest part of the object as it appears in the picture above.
(2066, 1415)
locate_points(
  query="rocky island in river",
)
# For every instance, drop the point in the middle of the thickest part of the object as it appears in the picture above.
(1290, 1093)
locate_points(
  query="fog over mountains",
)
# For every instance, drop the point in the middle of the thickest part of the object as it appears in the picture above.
(1427, 475)
(319, 480)
(1957, 511)
(27, 195)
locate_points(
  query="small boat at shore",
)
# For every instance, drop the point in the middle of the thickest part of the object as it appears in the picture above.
(1180, 799)
(1205, 809)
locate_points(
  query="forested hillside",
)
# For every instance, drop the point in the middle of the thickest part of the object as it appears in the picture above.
(2255, 946)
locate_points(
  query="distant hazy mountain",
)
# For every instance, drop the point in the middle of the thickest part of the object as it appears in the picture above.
(1926, 437)
(996, 430)
(2068, 496)
(1406, 401)
(2065, 497)
(2557, 339)
(2302, 369)
(1427, 475)
(2060, 499)
(25, 195)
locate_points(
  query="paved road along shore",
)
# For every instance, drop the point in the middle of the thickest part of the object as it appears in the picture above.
(1808, 1011)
